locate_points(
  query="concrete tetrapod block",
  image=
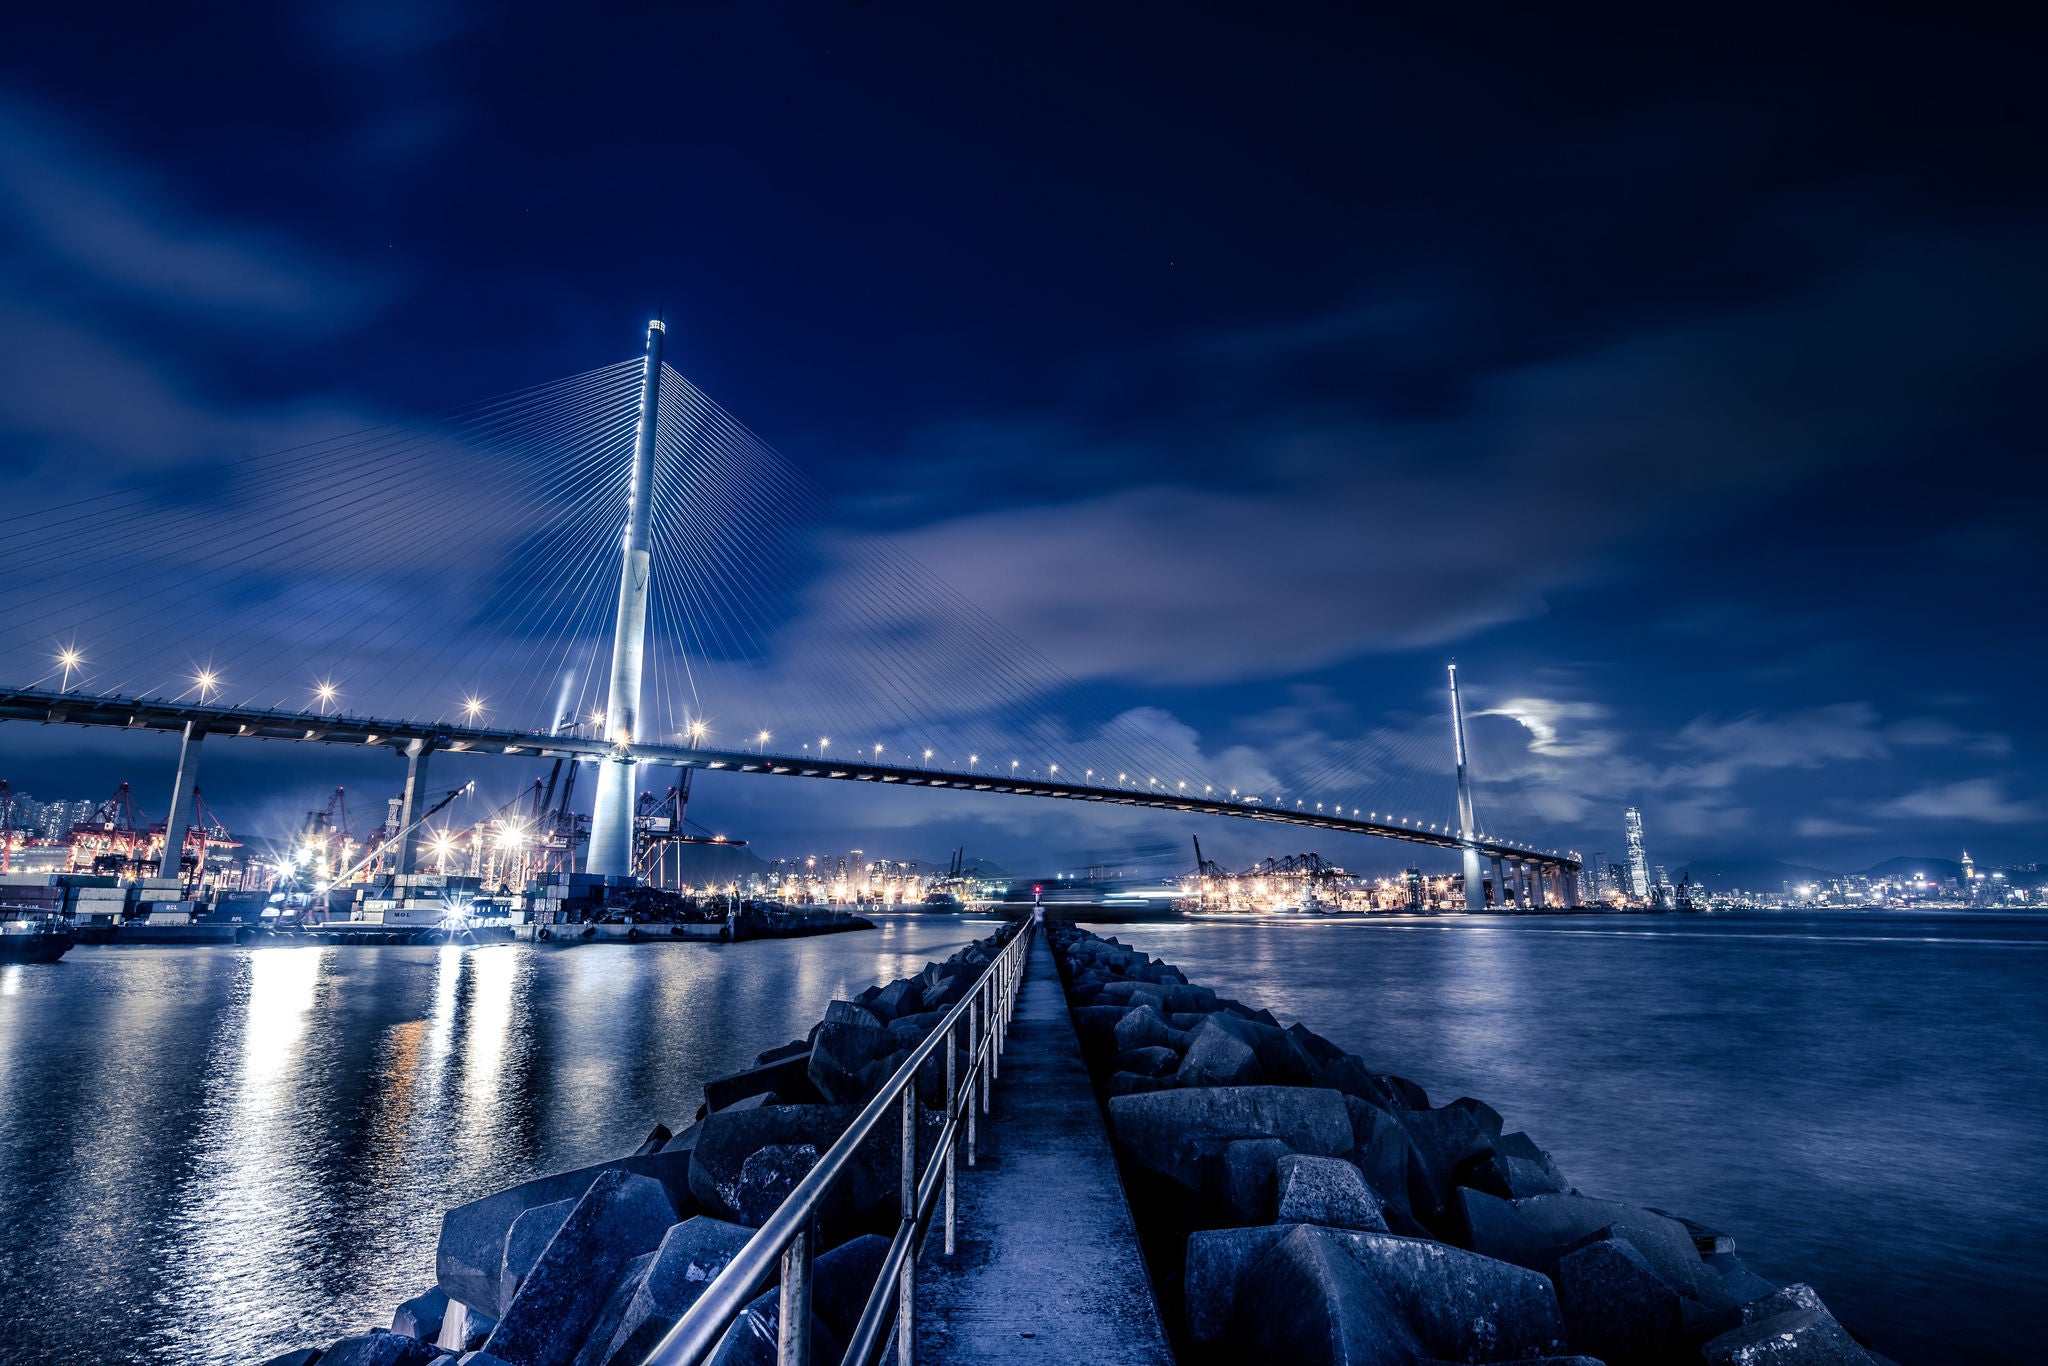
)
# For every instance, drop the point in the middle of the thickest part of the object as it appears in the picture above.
(1351, 1076)
(1307, 1302)
(690, 1257)
(1535, 1233)
(1785, 1300)
(841, 1280)
(765, 1180)
(839, 1053)
(1510, 1178)
(1802, 1337)
(1148, 1062)
(464, 1329)
(531, 1233)
(751, 1339)
(597, 1339)
(1218, 1057)
(1458, 1305)
(619, 1218)
(901, 997)
(379, 1348)
(1616, 1306)
(727, 1138)
(1142, 1028)
(1168, 1131)
(421, 1316)
(1463, 1306)
(787, 1077)
(1282, 1060)
(1245, 1177)
(1445, 1139)
(1328, 1191)
(471, 1253)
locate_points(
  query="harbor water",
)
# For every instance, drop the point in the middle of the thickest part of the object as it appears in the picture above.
(211, 1154)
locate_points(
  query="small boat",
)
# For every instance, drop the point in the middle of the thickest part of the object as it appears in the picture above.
(34, 937)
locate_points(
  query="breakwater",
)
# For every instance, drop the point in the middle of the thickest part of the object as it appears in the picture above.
(1296, 1205)
(592, 1266)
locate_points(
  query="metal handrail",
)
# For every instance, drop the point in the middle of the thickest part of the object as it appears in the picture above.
(784, 1242)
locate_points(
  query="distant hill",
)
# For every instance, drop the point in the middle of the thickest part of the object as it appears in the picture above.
(1938, 869)
(1749, 874)
(987, 870)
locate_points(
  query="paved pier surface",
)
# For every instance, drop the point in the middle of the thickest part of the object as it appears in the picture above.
(1047, 1267)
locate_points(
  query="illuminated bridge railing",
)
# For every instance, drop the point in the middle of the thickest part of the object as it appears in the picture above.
(785, 1243)
(82, 709)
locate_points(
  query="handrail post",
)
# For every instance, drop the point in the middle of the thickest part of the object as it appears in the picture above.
(988, 1014)
(793, 1331)
(906, 1296)
(973, 1066)
(952, 1113)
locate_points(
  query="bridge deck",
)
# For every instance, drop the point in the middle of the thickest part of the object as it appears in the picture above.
(1047, 1267)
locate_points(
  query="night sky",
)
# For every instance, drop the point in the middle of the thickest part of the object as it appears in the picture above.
(1681, 377)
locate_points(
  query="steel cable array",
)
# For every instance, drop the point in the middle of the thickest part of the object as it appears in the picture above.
(466, 568)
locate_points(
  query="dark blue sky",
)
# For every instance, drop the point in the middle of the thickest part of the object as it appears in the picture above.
(1681, 376)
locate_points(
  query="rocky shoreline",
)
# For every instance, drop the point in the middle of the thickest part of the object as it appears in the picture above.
(1296, 1206)
(592, 1267)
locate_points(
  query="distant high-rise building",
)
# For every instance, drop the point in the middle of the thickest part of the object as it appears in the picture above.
(1638, 860)
(1969, 868)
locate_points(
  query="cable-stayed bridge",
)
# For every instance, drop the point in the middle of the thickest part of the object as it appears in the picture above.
(611, 568)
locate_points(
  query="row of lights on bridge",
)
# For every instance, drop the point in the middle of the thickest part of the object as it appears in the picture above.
(207, 682)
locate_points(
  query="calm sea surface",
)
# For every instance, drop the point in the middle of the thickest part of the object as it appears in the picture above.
(208, 1155)
(213, 1154)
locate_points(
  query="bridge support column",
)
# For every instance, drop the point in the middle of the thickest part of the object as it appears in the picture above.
(1569, 878)
(413, 808)
(183, 794)
(611, 818)
(1475, 894)
(1540, 875)
(1500, 884)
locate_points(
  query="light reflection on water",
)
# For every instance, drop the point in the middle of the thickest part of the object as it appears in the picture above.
(1855, 1096)
(210, 1155)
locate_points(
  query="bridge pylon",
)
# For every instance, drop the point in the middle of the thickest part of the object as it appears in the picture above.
(611, 820)
(1468, 826)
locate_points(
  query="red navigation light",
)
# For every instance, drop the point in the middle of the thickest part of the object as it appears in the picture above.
(1036, 889)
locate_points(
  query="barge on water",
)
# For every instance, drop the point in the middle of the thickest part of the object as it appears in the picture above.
(34, 938)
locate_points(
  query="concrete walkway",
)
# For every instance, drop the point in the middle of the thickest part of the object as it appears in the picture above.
(1047, 1267)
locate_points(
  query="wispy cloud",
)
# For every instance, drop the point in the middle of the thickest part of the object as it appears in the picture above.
(69, 201)
(1975, 801)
